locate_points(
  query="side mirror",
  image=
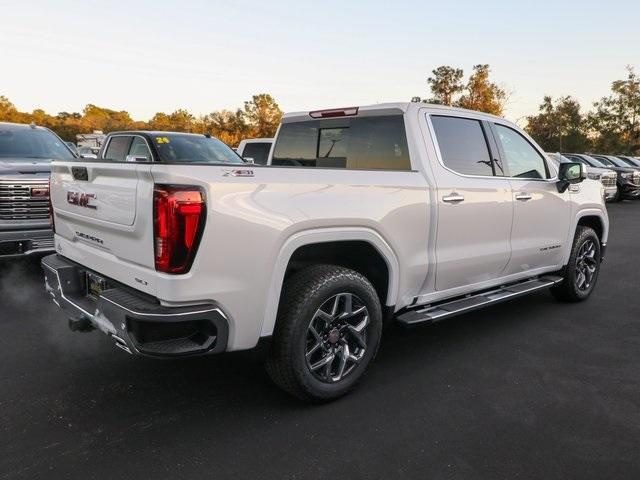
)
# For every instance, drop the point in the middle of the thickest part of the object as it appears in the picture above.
(570, 173)
(136, 158)
(249, 160)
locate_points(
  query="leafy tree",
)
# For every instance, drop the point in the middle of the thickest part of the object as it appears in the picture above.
(8, 110)
(560, 126)
(445, 84)
(263, 115)
(230, 127)
(616, 119)
(160, 121)
(98, 118)
(481, 94)
(182, 121)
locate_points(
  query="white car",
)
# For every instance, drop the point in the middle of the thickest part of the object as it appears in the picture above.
(409, 212)
(607, 177)
(255, 150)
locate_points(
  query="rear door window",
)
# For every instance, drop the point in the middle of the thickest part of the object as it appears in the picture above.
(259, 151)
(118, 148)
(463, 145)
(360, 143)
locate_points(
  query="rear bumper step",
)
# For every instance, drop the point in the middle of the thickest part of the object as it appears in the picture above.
(136, 323)
(449, 308)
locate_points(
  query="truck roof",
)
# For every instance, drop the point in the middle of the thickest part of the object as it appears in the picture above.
(17, 126)
(387, 108)
(154, 132)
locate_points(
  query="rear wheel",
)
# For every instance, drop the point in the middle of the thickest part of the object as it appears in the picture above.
(327, 333)
(581, 273)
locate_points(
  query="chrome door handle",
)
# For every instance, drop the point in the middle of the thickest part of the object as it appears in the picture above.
(453, 198)
(523, 197)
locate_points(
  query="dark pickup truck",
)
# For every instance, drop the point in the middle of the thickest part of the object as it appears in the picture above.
(26, 152)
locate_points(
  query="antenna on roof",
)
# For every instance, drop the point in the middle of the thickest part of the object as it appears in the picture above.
(33, 125)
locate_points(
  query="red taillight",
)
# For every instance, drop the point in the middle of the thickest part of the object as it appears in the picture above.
(178, 213)
(52, 222)
(336, 112)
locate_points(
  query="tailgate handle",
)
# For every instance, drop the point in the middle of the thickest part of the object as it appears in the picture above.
(80, 173)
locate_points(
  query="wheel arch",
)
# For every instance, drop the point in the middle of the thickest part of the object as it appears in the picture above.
(301, 241)
(596, 220)
(590, 217)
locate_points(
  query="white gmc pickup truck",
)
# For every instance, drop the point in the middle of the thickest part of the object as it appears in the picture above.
(405, 212)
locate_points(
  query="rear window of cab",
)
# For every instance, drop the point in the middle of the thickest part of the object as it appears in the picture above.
(360, 143)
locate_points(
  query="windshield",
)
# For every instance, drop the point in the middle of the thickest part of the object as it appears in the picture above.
(29, 144)
(618, 162)
(176, 148)
(594, 162)
(630, 161)
(605, 161)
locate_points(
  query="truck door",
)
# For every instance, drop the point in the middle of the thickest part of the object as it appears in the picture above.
(541, 214)
(475, 208)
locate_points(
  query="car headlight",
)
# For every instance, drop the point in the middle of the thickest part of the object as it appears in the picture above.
(627, 175)
(593, 176)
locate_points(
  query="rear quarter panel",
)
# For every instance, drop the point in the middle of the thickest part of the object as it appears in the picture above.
(251, 219)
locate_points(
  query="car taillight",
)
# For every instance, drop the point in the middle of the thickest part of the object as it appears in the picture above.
(179, 213)
(335, 112)
(52, 222)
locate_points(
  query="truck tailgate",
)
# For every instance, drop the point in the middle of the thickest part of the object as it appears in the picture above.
(105, 210)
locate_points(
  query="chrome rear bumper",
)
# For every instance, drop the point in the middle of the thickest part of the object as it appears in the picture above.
(138, 324)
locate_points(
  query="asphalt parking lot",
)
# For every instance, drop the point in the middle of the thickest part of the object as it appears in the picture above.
(528, 389)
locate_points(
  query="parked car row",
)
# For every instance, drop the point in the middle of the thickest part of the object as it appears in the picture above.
(625, 168)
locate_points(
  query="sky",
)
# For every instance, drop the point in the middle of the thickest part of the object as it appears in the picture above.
(150, 56)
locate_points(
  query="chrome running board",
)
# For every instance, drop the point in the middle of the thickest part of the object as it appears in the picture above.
(448, 308)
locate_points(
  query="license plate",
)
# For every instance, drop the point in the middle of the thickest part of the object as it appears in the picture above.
(95, 285)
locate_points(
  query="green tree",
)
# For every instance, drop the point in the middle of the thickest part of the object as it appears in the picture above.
(445, 84)
(616, 119)
(481, 94)
(559, 126)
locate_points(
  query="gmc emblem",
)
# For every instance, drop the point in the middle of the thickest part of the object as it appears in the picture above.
(39, 192)
(81, 199)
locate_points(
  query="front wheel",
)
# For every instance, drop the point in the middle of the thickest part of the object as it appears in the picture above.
(327, 333)
(617, 198)
(581, 273)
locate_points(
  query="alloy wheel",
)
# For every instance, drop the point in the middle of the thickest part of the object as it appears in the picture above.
(336, 338)
(586, 265)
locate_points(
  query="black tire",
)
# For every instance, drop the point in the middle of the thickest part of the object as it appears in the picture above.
(577, 285)
(617, 198)
(288, 363)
